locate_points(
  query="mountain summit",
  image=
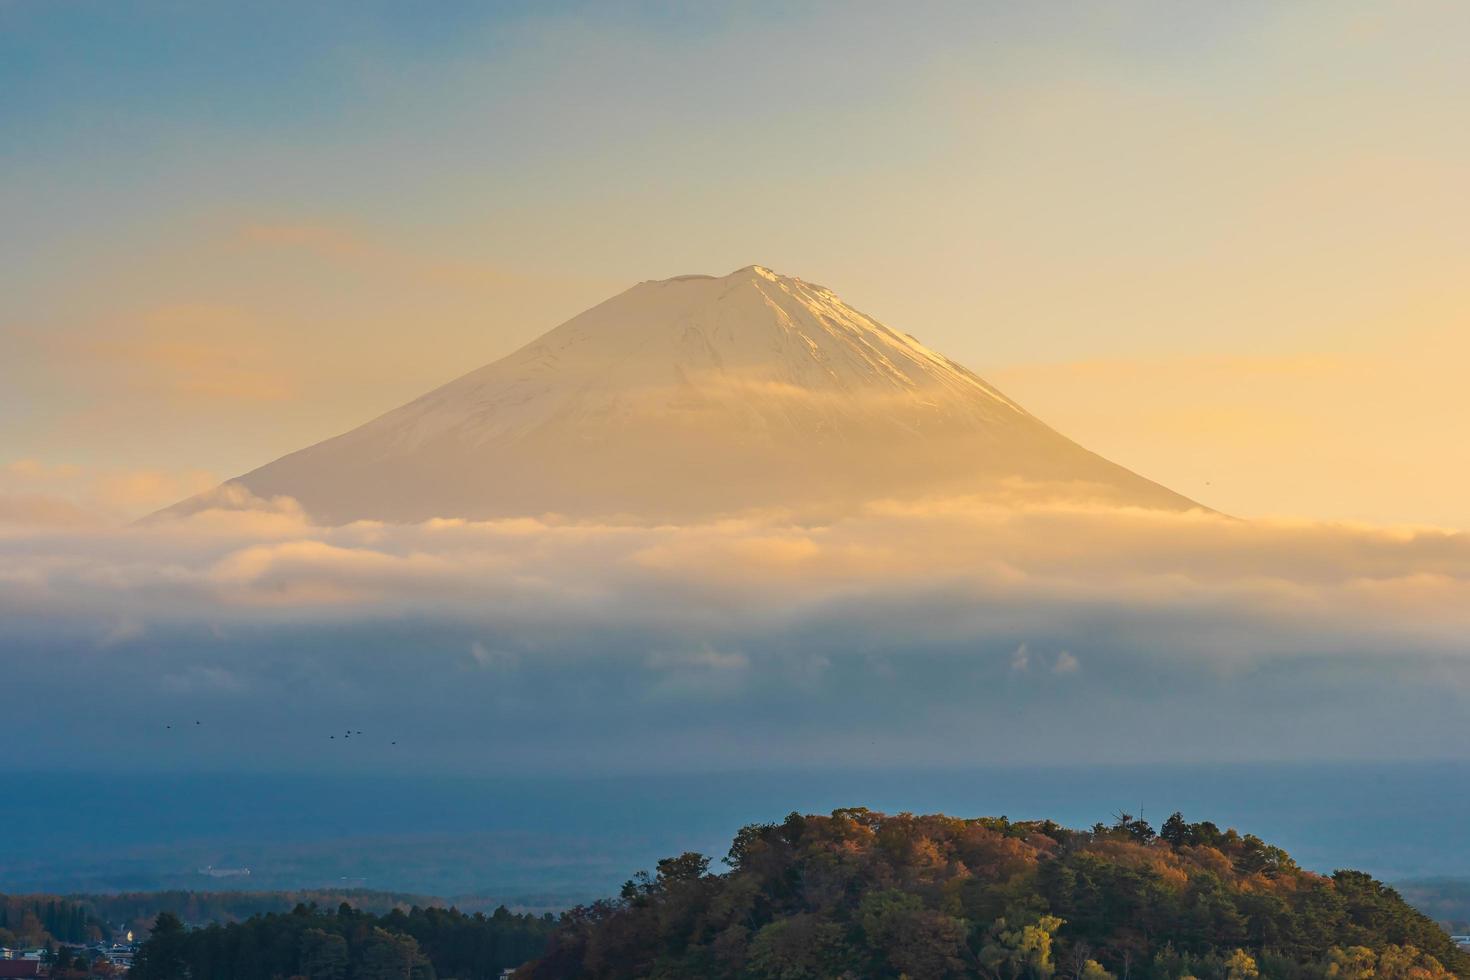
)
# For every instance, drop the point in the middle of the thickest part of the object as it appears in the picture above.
(692, 397)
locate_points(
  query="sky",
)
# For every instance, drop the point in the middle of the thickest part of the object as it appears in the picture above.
(1221, 244)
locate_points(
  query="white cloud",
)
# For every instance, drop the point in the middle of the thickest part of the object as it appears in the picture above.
(764, 568)
(705, 637)
(1066, 664)
(1021, 659)
(704, 657)
(491, 658)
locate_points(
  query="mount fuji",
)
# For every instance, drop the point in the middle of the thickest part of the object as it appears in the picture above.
(692, 398)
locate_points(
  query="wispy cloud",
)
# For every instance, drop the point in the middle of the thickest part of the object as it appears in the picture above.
(191, 352)
(35, 493)
(366, 254)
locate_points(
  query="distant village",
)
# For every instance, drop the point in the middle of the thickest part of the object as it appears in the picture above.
(97, 959)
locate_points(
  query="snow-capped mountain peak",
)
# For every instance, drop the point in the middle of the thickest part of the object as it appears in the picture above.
(696, 396)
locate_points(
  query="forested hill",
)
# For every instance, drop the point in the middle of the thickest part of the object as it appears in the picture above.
(860, 894)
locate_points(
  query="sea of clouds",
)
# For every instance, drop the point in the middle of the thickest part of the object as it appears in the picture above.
(939, 631)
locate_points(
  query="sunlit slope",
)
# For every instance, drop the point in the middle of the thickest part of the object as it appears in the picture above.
(693, 397)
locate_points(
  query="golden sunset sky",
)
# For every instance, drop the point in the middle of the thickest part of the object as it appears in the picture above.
(1225, 245)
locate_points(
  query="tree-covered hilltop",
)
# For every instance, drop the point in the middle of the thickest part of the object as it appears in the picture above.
(860, 894)
(346, 944)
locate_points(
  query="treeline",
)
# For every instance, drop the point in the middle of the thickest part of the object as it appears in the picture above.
(39, 920)
(346, 944)
(137, 910)
(861, 894)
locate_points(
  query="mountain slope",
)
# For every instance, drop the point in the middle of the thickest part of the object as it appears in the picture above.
(691, 397)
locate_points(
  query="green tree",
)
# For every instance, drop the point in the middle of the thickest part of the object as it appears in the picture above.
(689, 866)
(910, 938)
(391, 956)
(162, 957)
(323, 955)
(801, 947)
(1023, 951)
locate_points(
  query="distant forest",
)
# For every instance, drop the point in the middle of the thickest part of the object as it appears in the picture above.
(1446, 900)
(137, 910)
(38, 920)
(345, 944)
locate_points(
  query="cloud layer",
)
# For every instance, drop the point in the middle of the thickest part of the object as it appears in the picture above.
(928, 632)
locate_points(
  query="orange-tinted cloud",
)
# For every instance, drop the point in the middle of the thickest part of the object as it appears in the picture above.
(37, 493)
(194, 353)
(1282, 572)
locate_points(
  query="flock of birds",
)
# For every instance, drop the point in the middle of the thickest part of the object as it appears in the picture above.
(346, 735)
